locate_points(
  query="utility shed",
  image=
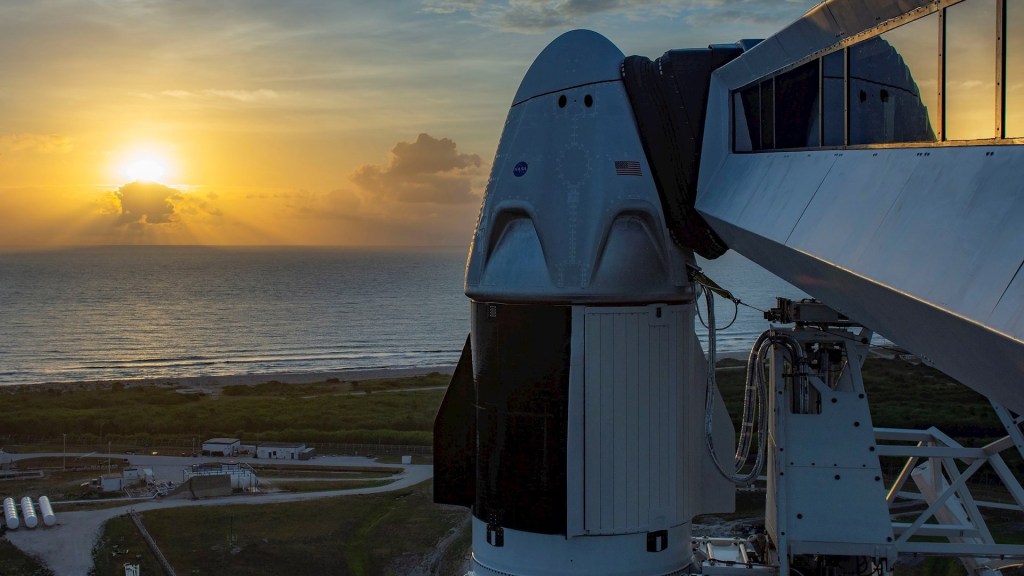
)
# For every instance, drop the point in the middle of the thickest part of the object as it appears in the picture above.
(284, 451)
(221, 446)
(112, 482)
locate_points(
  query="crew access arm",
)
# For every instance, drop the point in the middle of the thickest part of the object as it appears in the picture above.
(923, 243)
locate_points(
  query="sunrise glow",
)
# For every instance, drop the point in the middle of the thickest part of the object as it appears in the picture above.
(146, 169)
(327, 124)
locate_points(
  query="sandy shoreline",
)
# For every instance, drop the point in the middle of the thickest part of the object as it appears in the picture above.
(212, 383)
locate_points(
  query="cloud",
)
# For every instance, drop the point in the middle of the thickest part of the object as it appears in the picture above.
(42, 143)
(427, 171)
(146, 203)
(533, 16)
(247, 96)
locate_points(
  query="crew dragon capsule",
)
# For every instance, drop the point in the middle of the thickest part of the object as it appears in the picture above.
(574, 424)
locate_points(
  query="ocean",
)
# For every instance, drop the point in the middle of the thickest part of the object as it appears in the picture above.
(167, 311)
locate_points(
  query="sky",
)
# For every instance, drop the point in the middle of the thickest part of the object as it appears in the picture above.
(307, 122)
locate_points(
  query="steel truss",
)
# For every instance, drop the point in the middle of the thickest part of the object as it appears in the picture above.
(828, 505)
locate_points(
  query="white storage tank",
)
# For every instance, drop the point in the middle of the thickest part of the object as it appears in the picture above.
(10, 514)
(46, 511)
(28, 512)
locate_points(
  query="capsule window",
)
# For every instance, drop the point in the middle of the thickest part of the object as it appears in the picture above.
(562, 101)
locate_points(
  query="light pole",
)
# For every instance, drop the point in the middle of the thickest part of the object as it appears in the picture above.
(108, 456)
(64, 462)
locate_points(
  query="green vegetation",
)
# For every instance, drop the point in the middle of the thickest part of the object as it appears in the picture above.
(908, 395)
(14, 562)
(386, 533)
(56, 482)
(121, 542)
(318, 485)
(359, 535)
(901, 395)
(399, 411)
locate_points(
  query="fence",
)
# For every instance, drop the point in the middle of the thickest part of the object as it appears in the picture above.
(188, 444)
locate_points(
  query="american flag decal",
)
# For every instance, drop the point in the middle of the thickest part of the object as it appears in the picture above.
(627, 168)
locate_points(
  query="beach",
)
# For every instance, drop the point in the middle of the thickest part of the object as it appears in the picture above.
(213, 384)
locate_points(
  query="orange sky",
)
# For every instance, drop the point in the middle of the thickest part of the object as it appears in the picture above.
(312, 122)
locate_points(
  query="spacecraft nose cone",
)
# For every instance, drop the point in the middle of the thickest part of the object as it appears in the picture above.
(575, 58)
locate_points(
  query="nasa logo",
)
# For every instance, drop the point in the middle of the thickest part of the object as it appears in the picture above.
(520, 169)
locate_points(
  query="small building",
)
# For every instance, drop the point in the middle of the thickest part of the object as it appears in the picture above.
(112, 482)
(240, 476)
(221, 446)
(284, 451)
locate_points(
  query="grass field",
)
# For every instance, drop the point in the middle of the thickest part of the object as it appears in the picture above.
(399, 411)
(370, 534)
(352, 535)
(14, 562)
(57, 482)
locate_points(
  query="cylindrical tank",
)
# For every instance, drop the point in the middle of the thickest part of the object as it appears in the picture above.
(28, 512)
(11, 514)
(46, 511)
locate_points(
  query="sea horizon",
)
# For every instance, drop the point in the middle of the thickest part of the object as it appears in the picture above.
(129, 312)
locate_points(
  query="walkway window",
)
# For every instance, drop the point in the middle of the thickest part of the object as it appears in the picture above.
(796, 109)
(1014, 70)
(767, 114)
(971, 70)
(742, 122)
(833, 111)
(893, 85)
(754, 114)
(934, 78)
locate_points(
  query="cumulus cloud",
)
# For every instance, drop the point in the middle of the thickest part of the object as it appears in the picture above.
(146, 203)
(42, 143)
(427, 171)
(532, 16)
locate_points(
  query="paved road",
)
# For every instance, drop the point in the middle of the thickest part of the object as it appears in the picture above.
(67, 547)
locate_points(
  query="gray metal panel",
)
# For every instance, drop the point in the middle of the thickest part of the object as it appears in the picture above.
(743, 188)
(940, 224)
(977, 355)
(561, 221)
(592, 59)
(850, 510)
(575, 432)
(633, 417)
(865, 188)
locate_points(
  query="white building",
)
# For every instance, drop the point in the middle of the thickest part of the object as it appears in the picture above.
(221, 446)
(243, 477)
(113, 482)
(284, 451)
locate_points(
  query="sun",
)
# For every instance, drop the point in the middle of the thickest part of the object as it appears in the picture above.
(145, 169)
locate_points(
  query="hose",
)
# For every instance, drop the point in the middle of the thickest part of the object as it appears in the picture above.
(755, 397)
